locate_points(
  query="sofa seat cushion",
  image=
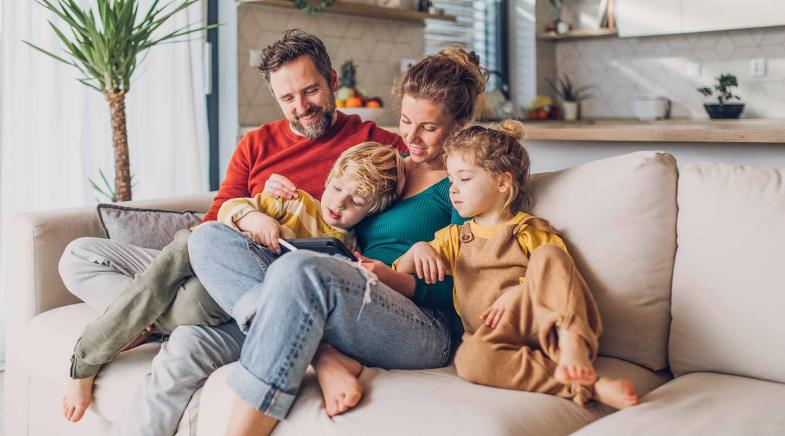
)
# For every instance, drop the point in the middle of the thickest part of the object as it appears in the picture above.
(701, 404)
(432, 401)
(618, 217)
(47, 351)
(728, 291)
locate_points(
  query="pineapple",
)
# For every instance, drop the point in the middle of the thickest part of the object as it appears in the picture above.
(348, 81)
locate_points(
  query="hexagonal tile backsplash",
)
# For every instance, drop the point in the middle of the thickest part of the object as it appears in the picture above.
(376, 46)
(674, 66)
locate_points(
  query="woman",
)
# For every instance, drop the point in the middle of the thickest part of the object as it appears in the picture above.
(384, 319)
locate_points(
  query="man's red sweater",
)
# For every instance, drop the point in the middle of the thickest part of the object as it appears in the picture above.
(275, 149)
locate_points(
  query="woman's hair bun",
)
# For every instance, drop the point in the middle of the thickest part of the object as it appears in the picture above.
(512, 128)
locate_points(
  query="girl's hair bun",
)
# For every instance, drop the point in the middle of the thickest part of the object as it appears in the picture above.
(512, 128)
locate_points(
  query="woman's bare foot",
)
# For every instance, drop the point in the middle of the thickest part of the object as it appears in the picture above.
(337, 374)
(574, 363)
(78, 396)
(618, 393)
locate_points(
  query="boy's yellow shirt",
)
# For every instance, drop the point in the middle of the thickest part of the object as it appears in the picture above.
(299, 217)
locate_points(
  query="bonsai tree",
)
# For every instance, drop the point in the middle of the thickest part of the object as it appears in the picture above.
(105, 49)
(723, 87)
(565, 90)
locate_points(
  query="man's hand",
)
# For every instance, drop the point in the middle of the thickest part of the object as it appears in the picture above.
(428, 264)
(401, 282)
(493, 314)
(279, 186)
(263, 229)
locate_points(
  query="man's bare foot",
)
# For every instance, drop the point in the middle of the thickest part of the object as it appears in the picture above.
(574, 363)
(618, 393)
(139, 339)
(337, 374)
(78, 396)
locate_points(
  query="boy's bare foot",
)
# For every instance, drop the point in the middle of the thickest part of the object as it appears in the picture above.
(618, 393)
(78, 396)
(337, 375)
(139, 339)
(574, 363)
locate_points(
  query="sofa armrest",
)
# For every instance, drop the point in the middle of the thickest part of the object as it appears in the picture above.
(34, 243)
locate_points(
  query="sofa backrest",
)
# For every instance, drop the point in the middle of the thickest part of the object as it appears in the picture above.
(729, 277)
(618, 217)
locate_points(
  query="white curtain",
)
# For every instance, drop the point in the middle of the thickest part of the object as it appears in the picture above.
(55, 132)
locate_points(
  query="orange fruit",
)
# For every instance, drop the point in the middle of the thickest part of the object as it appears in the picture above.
(373, 104)
(354, 102)
(340, 103)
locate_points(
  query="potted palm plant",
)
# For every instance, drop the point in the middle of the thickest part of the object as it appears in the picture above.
(570, 96)
(105, 48)
(723, 109)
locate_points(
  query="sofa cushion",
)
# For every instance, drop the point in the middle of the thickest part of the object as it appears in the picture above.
(47, 351)
(432, 401)
(701, 404)
(618, 217)
(148, 228)
(729, 277)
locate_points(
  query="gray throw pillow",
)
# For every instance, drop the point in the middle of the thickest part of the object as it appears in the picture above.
(148, 228)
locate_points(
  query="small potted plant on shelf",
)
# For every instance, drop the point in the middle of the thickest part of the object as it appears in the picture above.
(555, 8)
(723, 109)
(570, 96)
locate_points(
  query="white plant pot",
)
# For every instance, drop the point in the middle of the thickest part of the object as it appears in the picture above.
(571, 110)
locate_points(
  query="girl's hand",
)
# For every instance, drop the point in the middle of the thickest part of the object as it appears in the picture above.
(493, 314)
(427, 263)
(279, 186)
(401, 282)
(263, 229)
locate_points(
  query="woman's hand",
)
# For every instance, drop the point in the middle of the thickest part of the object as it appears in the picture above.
(263, 229)
(401, 282)
(493, 314)
(428, 265)
(279, 186)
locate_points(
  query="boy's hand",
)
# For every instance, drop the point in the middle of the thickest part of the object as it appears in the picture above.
(263, 229)
(493, 314)
(280, 187)
(428, 265)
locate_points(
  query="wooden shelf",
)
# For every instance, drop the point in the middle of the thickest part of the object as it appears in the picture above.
(578, 34)
(359, 10)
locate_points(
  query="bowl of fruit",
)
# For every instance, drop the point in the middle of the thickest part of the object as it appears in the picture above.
(352, 101)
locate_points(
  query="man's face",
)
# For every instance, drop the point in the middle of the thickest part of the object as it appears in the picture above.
(305, 97)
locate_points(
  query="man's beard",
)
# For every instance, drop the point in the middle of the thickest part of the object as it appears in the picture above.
(321, 124)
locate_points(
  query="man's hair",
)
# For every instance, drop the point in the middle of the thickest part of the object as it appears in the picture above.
(376, 168)
(293, 44)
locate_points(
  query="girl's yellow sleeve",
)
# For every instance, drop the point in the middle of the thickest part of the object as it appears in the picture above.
(445, 242)
(531, 238)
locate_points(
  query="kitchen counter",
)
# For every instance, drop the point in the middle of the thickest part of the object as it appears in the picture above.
(736, 131)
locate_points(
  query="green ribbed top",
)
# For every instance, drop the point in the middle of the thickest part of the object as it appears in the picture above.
(388, 235)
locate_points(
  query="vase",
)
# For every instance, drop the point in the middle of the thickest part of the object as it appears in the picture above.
(571, 110)
(724, 111)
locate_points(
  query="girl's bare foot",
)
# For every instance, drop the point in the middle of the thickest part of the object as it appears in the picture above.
(618, 393)
(574, 363)
(337, 375)
(78, 396)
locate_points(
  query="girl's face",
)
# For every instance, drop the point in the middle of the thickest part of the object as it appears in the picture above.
(474, 191)
(424, 127)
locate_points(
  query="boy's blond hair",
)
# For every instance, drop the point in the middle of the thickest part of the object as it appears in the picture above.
(376, 168)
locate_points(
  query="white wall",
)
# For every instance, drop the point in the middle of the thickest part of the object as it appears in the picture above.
(228, 118)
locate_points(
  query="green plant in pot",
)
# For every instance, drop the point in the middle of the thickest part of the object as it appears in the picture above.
(105, 48)
(723, 109)
(570, 96)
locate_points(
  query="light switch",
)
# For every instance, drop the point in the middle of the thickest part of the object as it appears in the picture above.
(758, 68)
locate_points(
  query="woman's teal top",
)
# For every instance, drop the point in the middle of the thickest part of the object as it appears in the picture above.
(388, 235)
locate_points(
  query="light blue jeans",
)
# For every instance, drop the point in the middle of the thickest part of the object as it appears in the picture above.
(304, 298)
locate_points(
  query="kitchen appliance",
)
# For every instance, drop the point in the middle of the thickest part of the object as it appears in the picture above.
(650, 107)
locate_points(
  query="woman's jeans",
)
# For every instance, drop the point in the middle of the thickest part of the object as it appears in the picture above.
(304, 298)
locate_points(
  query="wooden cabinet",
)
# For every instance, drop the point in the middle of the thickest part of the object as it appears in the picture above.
(662, 17)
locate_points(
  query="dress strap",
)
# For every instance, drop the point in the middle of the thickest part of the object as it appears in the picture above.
(536, 223)
(466, 234)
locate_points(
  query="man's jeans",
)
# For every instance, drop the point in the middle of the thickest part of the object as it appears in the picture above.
(304, 298)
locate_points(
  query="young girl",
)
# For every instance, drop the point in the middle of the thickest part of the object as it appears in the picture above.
(530, 321)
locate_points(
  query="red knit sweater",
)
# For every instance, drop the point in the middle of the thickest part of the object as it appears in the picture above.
(274, 149)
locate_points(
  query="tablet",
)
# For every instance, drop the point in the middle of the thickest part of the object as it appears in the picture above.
(322, 245)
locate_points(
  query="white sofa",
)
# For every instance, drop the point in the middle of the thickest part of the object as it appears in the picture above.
(711, 314)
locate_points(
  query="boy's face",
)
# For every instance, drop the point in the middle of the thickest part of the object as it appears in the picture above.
(473, 190)
(305, 96)
(341, 206)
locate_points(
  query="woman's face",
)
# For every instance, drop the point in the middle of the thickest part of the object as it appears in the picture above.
(424, 127)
